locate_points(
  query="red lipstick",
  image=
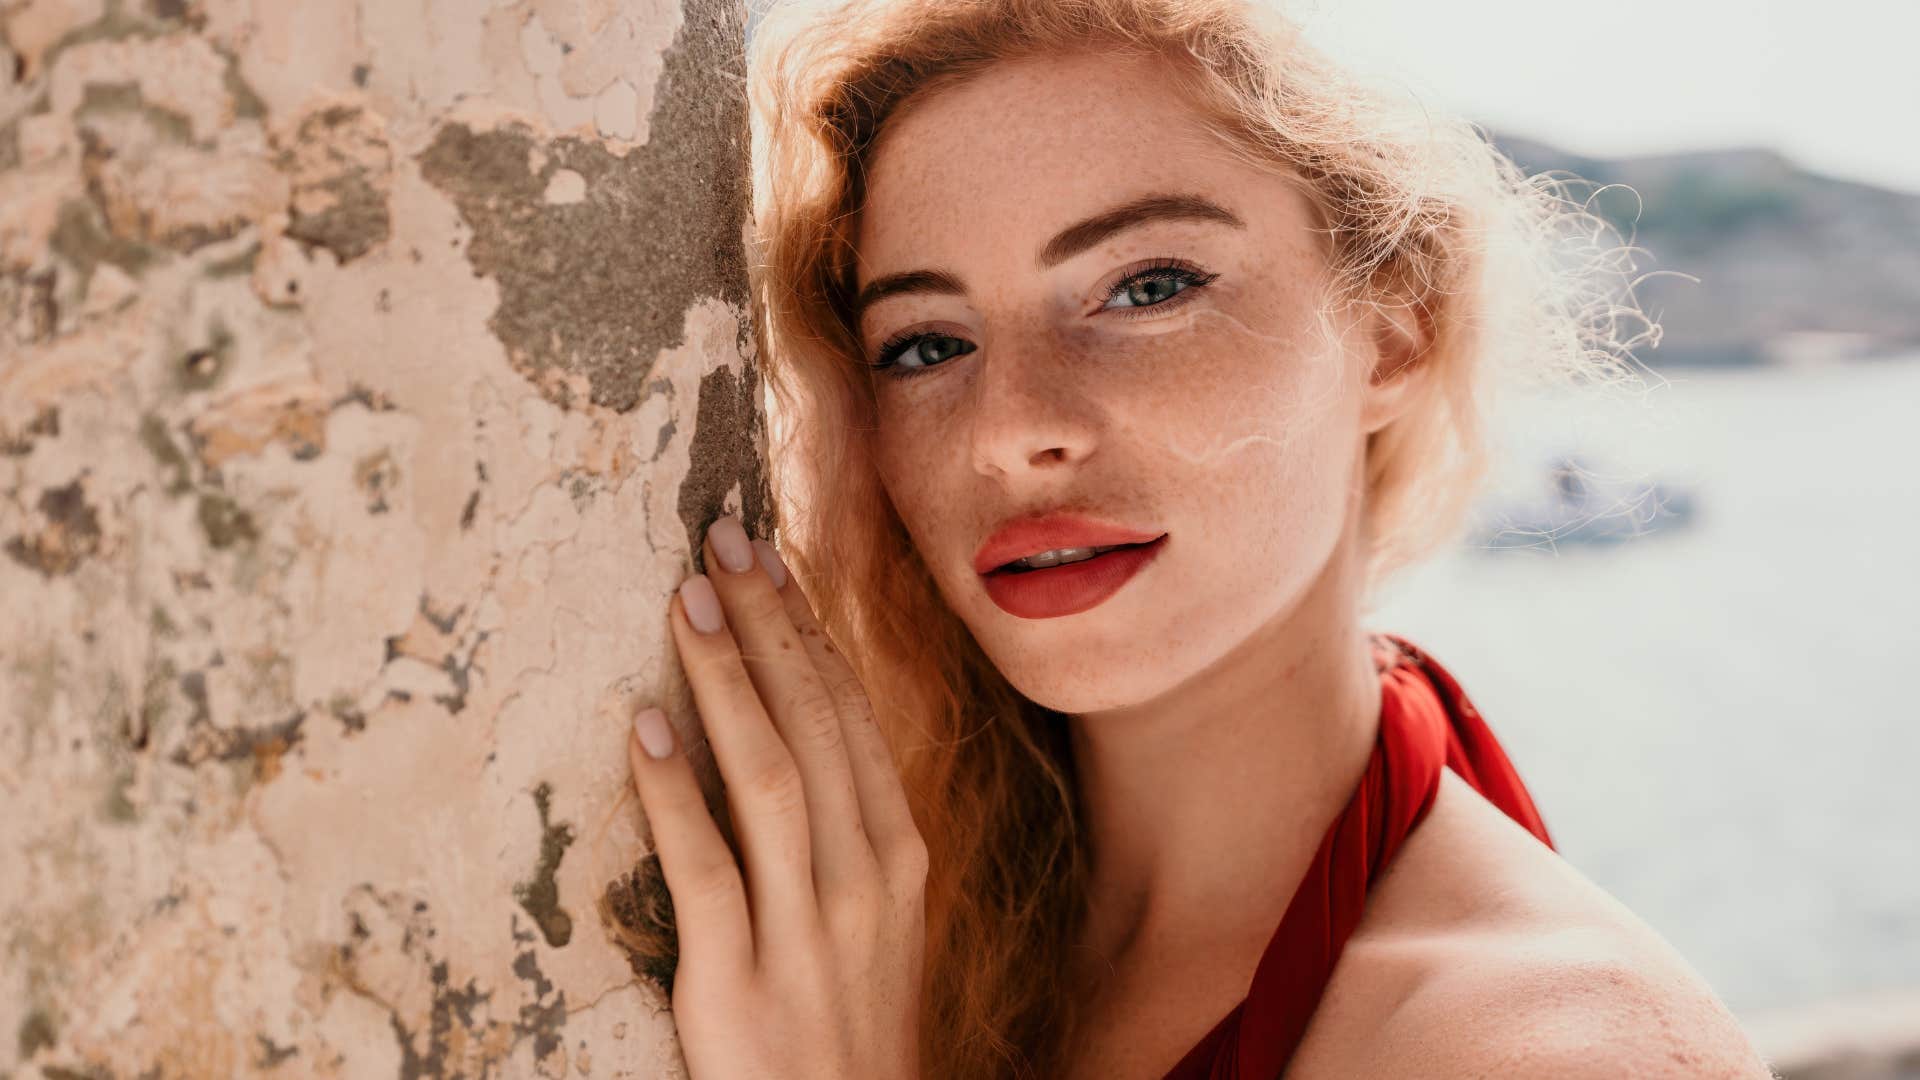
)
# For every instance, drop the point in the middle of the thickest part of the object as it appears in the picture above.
(1069, 588)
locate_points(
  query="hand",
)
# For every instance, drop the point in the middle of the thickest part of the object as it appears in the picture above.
(811, 967)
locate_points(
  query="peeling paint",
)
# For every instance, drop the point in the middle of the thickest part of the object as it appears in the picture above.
(261, 747)
(392, 955)
(153, 435)
(34, 303)
(375, 473)
(292, 412)
(69, 534)
(340, 162)
(36, 1031)
(539, 895)
(82, 239)
(722, 459)
(334, 499)
(224, 522)
(598, 286)
(143, 109)
(168, 125)
(45, 422)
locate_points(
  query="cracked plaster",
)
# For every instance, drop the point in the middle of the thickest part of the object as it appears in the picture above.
(318, 587)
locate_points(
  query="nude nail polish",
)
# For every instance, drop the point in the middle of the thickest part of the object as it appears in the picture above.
(731, 544)
(702, 604)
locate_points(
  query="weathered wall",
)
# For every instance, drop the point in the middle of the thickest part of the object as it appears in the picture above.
(369, 370)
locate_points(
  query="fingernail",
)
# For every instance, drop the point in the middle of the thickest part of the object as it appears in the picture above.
(770, 559)
(730, 544)
(702, 604)
(656, 735)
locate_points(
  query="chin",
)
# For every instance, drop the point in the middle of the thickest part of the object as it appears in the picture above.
(1109, 656)
(1076, 697)
(1090, 680)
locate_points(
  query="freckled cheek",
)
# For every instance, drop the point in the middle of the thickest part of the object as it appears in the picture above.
(906, 447)
(927, 471)
(1216, 387)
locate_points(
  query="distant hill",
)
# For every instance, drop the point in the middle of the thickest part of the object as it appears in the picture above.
(1792, 264)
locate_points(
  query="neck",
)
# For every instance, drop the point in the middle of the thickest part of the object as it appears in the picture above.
(1204, 805)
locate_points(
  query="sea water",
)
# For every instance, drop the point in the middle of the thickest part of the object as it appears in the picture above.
(1720, 721)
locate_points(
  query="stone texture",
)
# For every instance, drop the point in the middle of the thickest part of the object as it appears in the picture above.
(368, 372)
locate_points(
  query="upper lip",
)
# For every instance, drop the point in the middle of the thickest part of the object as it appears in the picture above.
(1034, 533)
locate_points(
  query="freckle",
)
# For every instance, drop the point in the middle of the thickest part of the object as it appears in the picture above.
(786, 645)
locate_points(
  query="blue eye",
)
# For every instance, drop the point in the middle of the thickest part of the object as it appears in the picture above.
(1154, 286)
(926, 349)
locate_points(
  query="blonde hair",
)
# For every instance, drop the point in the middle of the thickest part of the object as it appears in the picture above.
(1416, 208)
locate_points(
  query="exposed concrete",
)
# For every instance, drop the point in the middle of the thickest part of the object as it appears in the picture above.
(371, 373)
(538, 895)
(599, 253)
(339, 158)
(68, 531)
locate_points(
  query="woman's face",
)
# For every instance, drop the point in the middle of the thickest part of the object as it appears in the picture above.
(1171, 374)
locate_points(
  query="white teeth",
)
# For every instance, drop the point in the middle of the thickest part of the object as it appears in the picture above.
(1060, 555)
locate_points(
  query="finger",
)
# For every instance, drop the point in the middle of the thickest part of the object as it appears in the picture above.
(804, 712)
(891, 831)
(709, 900)
(762, 782)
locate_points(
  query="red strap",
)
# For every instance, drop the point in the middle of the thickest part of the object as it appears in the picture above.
(1425, 721)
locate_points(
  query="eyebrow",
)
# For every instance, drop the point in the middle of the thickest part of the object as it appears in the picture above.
(1065, 244)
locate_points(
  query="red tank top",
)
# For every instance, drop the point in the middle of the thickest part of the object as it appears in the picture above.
(1426, 721)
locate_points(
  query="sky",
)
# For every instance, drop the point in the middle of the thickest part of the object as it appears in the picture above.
(1832, 84)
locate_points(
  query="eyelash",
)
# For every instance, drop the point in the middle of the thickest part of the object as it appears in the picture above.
(891, 350)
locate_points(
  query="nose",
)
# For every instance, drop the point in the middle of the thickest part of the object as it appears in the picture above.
(1029, 410)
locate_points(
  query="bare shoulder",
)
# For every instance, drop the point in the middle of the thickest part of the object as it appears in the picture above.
(1481, 952)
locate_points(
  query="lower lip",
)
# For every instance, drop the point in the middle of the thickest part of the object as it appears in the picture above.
(1069, 589)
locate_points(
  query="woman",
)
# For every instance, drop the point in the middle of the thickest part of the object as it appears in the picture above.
(1149, 278)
